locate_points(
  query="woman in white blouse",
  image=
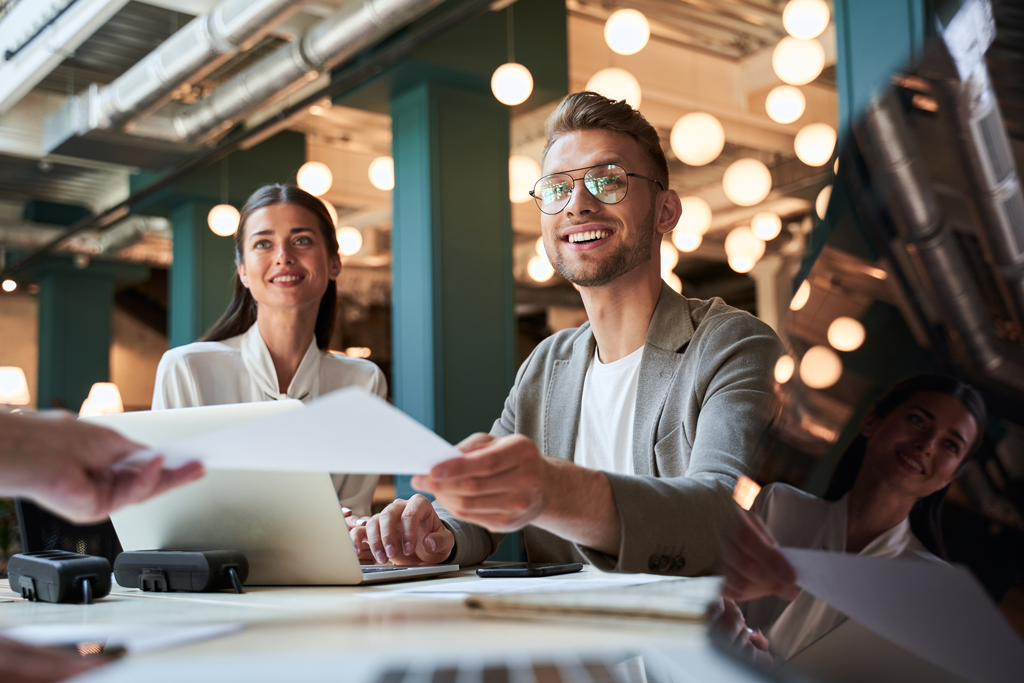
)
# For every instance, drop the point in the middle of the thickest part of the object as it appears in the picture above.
(884, 500)
(272, 342)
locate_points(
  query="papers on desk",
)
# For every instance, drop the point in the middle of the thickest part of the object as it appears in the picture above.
(936, 611)
(349, 430)
(463, 589)
(134, 639)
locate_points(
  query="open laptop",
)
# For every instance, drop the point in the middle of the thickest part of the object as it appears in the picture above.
(288, 524)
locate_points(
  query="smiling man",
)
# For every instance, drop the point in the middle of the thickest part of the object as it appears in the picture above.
(621, 440)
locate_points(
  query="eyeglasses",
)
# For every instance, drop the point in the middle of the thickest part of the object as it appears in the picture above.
(607, 182)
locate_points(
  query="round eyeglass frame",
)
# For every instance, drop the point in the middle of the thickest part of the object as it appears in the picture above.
(586, 177)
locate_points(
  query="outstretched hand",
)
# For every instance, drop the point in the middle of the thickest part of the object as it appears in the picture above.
(406, 532)
(20, 663)
(752, 564)
(727, 622)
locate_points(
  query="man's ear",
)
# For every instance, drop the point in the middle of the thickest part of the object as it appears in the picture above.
(869, 425)
(671, 210)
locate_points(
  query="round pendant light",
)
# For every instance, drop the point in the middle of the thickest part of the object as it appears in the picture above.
(696, 216)
(523, 173)
(821, 203)
(766, 225)
(742, 245)
(539, 269)
(747, 182)
(798, 62)
(627, 31)
(9, 285)
(512, 83)
(669, 258)
(846, 334)
(332, 211)
(674, 282)
(803, 294)
(616, 84)
(814, 144)
(805, 19)
(350, 240)
(784, 368)
(820, 367)
(382, 173)
(314, 177)
(223, 220)
(785, 104)
(697, 138)
(686, 241)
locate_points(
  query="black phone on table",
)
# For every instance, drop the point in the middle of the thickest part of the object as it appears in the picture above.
(529, 569)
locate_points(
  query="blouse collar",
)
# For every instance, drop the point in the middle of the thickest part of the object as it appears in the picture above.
(256, 356)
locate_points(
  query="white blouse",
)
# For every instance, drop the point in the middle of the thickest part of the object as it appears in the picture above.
(799, 520)
(240, 370)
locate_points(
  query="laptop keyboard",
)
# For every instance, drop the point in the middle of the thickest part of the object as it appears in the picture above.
(383, 568)
(583, 672)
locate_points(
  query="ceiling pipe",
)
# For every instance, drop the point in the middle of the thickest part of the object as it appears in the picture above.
(124, 234)
(897, 170)
(358, 25)
(970, 110)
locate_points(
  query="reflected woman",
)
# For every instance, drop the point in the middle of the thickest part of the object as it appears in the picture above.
(272, 342)
(884, 501)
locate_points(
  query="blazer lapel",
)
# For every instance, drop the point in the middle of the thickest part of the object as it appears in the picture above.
(564, 396)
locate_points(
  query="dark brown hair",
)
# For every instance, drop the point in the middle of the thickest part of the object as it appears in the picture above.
(241, 312)
(926, 517)
(590, 111)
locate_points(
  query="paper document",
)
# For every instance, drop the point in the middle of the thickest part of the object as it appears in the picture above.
(349, 430)
(936, 611)
(133, 638)
(521, 585)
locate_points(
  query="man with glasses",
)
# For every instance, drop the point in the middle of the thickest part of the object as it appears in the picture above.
(621, 440)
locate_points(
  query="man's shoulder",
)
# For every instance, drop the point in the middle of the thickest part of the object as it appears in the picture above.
(711, 314)
(560, 345)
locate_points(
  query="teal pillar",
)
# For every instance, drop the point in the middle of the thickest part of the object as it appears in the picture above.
(76, 309)
(200, 277)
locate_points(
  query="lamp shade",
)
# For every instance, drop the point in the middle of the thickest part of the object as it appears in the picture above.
(617, 84)
(820, 367)
(798, 62)
(785, 104)
(766, 225)
(223, 220)
(523, 173)
(627, 31)
(697, 138)
(382, 173)
(512, 83)
(104, 399)
(747, 182)
(805, 19)
(846, 334)
(350, 240)
(314, 177)
(814, 143)
(13, 387)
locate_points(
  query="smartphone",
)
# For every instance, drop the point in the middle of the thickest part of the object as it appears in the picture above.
(529, 569)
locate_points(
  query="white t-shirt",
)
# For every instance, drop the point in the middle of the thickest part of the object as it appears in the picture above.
(604, 440)
(240, 370)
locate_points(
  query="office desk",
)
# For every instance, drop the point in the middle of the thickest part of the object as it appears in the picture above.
(324, 631)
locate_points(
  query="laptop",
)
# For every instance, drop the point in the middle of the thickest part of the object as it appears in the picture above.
(288, 524)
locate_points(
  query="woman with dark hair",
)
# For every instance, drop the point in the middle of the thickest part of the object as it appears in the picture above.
(272, 342)
(884, 501)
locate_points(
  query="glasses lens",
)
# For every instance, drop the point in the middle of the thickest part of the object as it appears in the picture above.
(552, 192)
(606, 183)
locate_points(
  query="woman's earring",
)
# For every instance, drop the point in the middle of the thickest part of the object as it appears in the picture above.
(245, 282)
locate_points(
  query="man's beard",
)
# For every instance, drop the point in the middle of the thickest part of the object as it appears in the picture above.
(629, 256)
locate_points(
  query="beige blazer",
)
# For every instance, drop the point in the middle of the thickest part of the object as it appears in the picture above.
(703, 402)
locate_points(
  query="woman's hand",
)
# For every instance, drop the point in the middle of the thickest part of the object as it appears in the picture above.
(752, 564)
(727, 621)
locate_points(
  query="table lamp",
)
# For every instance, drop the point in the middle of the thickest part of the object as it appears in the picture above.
(104, 399)
(13, 388)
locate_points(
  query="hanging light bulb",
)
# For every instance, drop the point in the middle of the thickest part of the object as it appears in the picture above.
(616, 84)
(686, 241)
(821, 203)
(743, 249)
(382, 173)
(350, 240)
(846, 334)
(314, 177)
(627, 31)
(512, 83)
(785, 104)
(803, 293)
(784, 368)
(696, 216)
(820, 367)
(747, 182)
(539, 269)
(223, 220)
(814, 143)
(766, 225)
(798, 62)
(805, 19)
(9, 285)
(697, 138)
(523, 173)
(669, 258)
(674, 282)
(332, 211)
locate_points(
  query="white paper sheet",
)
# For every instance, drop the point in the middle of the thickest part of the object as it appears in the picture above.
(349, 430)
(135, 639)
(938, 612)
(460, 589)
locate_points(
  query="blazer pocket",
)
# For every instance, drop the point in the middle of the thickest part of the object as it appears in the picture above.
(672, 453)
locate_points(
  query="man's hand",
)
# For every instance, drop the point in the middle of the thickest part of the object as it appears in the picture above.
(73, 468)
(20, 663)
(499, 484)
(407, 532)
(727, 621)
(752, 564)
